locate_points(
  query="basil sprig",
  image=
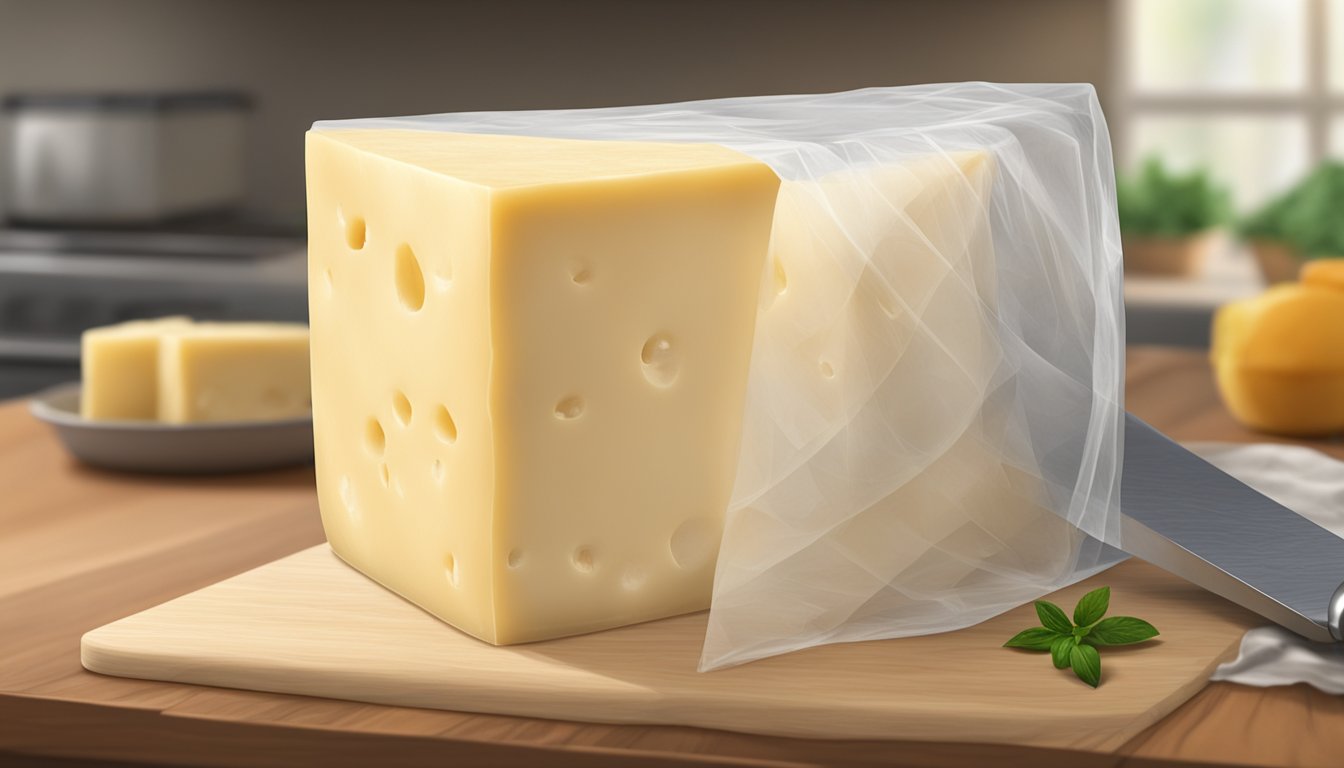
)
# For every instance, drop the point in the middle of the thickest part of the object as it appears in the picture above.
(1073, 644)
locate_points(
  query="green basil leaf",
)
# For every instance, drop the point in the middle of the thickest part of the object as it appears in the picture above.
(1053, 617)
(1061, 650)
(1092, 607)
(1086, 664)
(1034, 639)
(1121, 630)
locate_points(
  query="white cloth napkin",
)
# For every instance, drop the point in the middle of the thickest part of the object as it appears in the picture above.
(1312, 484)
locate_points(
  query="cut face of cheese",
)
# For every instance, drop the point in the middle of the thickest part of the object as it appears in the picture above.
(233, 372)
(120, 369)
(176, 371)
(529, 364)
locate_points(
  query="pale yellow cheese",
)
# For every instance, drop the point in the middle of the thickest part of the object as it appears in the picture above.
(920, 323)
(234, 372)
(120, 369)
(176, 371)
(529, 364)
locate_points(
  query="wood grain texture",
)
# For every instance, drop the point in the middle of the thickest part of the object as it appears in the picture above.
(310, 624)
(80, 548)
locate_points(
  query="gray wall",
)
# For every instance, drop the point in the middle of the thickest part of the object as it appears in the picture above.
(305, 61)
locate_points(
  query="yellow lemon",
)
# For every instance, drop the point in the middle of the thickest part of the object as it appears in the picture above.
(1279, 357)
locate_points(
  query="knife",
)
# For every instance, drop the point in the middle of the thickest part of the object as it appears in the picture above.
(1188, 517)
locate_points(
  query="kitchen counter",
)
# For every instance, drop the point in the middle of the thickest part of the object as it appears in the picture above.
(81, 547)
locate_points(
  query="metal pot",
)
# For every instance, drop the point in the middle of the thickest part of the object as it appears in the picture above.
(123, 159)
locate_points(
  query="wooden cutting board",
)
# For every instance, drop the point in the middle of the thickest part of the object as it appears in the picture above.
(310, 624)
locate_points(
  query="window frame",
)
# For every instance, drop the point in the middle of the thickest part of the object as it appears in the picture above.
(1315, 103)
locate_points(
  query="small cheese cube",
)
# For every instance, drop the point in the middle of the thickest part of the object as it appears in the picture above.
(234, 372)
(176, 371)
(120, 368)
(529, 363)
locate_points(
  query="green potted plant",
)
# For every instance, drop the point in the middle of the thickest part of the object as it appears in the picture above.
(1168, 220)
(1306, 222)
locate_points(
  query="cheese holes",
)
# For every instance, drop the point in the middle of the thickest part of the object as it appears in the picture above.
(827, 370)
(633, 578)
(693, 543)
(569, 408)
(450, 568)
(888, 306)
(580, 274)
(385, 475)
(401, 406)
(515, 558)
(374, 438)
(355, 235)
(660, 360)
(347, 493)
(781, 277)
(443, 277)
(436, 469)
(583, 560)
(410, 279)
(328, 281)
(444, 426)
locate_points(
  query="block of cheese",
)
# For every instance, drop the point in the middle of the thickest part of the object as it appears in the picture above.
(529, 364)
(234, 372)
(905, 358)
(120, 369)
(176, 371)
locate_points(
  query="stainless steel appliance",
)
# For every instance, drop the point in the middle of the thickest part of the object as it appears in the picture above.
(123, 159)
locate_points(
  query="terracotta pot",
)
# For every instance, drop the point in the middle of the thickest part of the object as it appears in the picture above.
(1168, 256)
(1279, 262)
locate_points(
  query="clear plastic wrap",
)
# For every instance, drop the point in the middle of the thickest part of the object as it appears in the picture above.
(933, 426)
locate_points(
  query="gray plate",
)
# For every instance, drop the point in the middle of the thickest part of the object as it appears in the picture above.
(146, 446)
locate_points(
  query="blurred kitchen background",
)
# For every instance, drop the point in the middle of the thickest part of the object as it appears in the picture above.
(151, 150)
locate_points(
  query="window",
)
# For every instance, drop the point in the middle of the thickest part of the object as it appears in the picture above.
(1253, 90)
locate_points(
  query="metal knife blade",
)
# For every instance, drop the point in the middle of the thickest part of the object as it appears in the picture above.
(1188, 517)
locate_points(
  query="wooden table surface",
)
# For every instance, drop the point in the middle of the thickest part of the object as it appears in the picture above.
(80, 548)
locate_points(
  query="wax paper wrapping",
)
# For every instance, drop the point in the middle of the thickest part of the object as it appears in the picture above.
(933, 425)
